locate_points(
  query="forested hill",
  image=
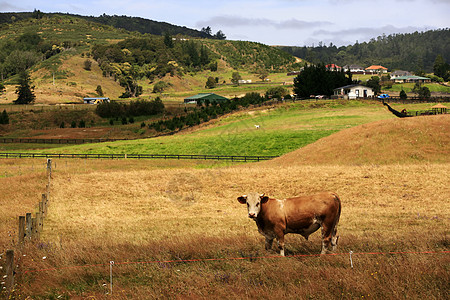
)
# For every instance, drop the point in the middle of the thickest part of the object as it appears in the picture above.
(129, 23)
(412, 52)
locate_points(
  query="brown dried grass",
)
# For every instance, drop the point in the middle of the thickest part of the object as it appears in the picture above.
(138, 211)
(409, 140)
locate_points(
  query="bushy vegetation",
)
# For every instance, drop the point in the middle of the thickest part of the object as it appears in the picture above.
(136, 108)
(411, 51)
(318, 80)
(207, 112)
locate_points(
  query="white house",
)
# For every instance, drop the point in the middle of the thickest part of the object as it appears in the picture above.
(353, 91)
(355, 69)
(399, 73)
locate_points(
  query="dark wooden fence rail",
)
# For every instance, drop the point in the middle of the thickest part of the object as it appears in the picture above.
(237, 158)
(56, 141)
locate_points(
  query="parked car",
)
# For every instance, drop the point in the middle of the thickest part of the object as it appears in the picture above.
(383, 96)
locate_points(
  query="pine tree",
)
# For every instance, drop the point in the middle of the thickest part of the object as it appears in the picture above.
(24, 90)
(4, 118)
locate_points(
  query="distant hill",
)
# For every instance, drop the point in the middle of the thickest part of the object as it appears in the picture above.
(55, 47)
(412, 51)
(409, 140)
(124, 22)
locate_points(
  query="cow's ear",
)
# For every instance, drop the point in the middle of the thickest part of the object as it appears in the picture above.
(242, 199)
(264, 198)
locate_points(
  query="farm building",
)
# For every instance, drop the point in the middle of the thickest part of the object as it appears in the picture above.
(412, 78)
(373, 69)
(353, 91)
(205, 96)
(333, 67)
(399, 73)
(95, 100)
(354, 69)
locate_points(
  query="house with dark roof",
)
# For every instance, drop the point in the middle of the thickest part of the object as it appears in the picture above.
(399, 73)
(412, 78)
(353, 91)
(205, 96)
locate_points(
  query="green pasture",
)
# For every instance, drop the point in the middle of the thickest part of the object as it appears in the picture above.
(407, 87)
(282, 129)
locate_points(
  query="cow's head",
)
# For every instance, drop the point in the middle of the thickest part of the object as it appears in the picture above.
(253, 201)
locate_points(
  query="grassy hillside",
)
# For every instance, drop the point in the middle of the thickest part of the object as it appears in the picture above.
(67, 41)
(282, 130)
(418, 139)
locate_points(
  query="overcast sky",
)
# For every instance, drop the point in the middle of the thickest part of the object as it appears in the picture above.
(272, 22)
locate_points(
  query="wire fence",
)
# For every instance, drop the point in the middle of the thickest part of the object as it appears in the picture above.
(233, 158)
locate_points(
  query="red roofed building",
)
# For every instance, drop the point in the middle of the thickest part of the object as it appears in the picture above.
(376, 69)
(333, 67)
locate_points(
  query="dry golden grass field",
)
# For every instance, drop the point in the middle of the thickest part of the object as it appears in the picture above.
(142, 214)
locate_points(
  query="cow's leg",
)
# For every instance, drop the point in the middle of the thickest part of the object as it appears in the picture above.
(269, 241)
(280, 242)
(334, 239)
(326, 238)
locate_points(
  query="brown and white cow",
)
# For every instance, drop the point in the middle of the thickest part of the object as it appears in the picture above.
(302, 215)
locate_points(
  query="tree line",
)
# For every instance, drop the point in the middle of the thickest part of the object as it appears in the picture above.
(410, 51)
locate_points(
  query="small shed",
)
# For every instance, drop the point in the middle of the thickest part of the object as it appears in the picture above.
(439, 109)
(95, 100)
(205, 96)
(353, 91)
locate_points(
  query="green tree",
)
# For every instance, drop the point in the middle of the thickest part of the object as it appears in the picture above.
(4, 118)
(220, 35)
(235, 77)
(277, 92)
(403, 95)
(318, 80)
(24, 90)
(441, 68)
(2, 88)
(422, 92)
(211, 83)
(99, 90)
(263, 74)
(168, 41)
(87, 65)
(374, 83)
(159, 87)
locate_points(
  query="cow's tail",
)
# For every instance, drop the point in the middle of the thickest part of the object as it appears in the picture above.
(334, 235)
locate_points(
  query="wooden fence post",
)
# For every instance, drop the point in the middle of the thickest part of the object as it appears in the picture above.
(49, 169)
(35, 228)
(28, 226)
(45, 204)
(9, 282)
(21, 230)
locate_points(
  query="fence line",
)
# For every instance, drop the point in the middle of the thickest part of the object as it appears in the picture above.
(56, 141)
(29, 230)
(232, 259)
(237, 158)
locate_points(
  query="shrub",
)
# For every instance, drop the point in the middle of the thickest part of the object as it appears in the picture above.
(82, 124)
(403, 95)
(4, 118)
(73, 124)
(87, 64)
(131, 120)
(62, 125)
(111, 122)
(124, 121)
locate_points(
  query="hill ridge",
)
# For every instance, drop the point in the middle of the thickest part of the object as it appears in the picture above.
(410, 140)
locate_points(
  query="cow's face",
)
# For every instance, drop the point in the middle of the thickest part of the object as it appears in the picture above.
(254, 202)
